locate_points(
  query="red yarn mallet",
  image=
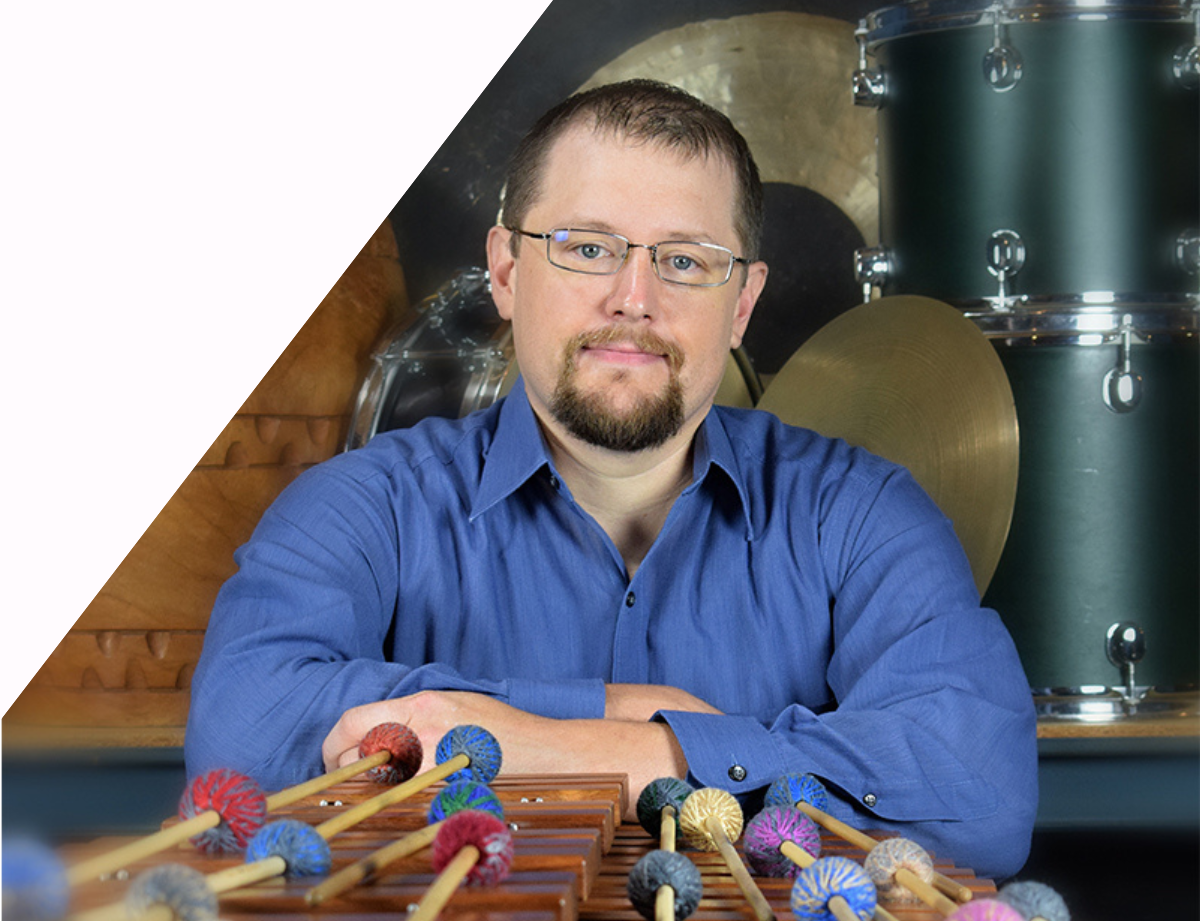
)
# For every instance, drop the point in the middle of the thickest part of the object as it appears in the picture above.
(394, 752)
(221, 809)
(471, 845)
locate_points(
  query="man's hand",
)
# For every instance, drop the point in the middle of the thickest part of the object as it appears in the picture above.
(529, 744)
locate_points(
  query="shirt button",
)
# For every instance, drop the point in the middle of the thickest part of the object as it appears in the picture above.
(870, 799)
(737, 773)
(553, 481)
(630, 599)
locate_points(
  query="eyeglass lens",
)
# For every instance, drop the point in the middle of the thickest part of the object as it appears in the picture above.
(594, 252)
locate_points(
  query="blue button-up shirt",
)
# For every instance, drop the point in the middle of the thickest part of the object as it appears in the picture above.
(809, 590)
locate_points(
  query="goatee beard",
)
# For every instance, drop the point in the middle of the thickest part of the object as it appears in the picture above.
(589, 417)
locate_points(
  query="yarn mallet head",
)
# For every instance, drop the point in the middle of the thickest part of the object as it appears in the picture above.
(766, 834)
(985, 910)
(483, 831)
(1035, 900)
(184, 890)
(833, 889)
(664, 868)
(461, 795)
(655, 797)
(794, 787)
(477, 747)
(403, 748)
(704, 807)
(301, 847)
(35, 881)
(240, 802)
(887, 858)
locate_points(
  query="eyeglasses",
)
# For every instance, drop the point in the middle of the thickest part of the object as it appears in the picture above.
(677, 262)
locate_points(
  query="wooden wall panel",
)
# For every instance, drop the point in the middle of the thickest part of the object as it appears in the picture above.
(122, 675)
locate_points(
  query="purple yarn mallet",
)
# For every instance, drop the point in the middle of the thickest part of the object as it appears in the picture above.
(781, 841)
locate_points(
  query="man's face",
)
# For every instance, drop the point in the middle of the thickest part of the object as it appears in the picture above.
(623, 361)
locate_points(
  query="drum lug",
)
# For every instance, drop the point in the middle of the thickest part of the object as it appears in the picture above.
(1122, 387)
(1125, 646)
(1005, 256)
(872, 268)
(1002, 63)
(1187, 58)
(869, 86)
(1187, 251)
(1187, 66)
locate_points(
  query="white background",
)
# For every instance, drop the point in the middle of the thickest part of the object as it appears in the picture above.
(182, 184)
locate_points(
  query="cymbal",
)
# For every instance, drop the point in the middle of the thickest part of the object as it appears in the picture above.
(913, 380)
(783, 78)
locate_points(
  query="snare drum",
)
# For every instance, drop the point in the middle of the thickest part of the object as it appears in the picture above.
(1039, 167)
(457, 356)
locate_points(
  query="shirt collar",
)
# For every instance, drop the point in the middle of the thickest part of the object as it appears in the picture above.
(518, 451)
(715, 449)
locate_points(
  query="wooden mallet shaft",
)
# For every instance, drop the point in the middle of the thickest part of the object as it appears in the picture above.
(953, 889)
(350, 876)
(446, 884)
(741, 876)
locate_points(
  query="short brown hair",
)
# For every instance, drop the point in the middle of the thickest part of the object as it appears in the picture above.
(641, 110)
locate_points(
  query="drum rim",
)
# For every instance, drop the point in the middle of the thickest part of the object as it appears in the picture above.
(902, 19)
(1090, 319)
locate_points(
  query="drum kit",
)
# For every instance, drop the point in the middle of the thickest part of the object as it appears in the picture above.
(1028, 342)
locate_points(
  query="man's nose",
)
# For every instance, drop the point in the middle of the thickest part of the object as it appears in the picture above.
(638, 286)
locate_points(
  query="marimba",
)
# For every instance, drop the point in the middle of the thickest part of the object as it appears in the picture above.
(572, 858)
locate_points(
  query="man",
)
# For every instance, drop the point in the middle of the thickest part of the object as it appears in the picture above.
(608, 573)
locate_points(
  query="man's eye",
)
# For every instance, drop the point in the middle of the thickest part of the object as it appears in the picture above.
(681, 263)
(590, 250)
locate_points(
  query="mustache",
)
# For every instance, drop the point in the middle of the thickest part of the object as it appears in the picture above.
(641, 339)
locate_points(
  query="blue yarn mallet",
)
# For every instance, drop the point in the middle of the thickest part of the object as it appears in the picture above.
(833, 889)
(1035, 900)
(469, 753)
(464, 794)
(654, 800)
(35, 882)
(781, 841)
(454, 798)
(301, 848)
(661, 876)
(793, 788)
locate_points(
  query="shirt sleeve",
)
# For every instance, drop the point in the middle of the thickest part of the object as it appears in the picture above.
(298, 636)
(934, 733)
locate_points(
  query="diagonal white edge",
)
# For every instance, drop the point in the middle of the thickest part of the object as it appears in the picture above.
(169, 161)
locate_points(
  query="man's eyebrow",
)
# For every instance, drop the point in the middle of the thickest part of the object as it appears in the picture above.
(687, 236)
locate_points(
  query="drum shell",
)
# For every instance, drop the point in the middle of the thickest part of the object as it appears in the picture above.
(1106, 524)
(1093, 158)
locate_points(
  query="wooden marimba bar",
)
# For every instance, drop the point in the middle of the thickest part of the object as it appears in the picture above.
(572, 859)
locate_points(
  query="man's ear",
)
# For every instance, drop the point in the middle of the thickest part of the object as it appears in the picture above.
(756, 279)
(502, 269)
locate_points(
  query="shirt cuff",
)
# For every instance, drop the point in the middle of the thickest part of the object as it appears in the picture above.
(735, 753)
(576, 699)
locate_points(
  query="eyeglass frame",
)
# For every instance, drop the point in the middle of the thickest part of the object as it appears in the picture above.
(629, 244)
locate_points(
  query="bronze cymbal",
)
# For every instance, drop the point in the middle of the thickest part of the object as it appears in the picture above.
(783, 78)
(913, 380)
